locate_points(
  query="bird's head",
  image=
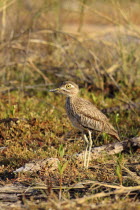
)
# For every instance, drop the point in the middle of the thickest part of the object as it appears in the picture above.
(67, 88)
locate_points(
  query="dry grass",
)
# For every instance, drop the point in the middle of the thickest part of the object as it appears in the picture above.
(93, 43)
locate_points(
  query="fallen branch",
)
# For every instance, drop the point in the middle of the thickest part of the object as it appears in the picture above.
(7, 191)
(122, 190)
(133, 176)
(113, 148)
(81, 185)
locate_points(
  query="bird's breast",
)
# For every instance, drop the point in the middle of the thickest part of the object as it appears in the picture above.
(71, 112)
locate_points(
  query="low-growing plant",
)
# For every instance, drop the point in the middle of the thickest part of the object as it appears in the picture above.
(61, 167)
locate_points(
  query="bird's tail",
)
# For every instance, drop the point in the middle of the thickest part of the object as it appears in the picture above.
(112, 132)
(115, 135)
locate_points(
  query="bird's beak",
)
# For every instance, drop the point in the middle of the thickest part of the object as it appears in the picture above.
(55, 90)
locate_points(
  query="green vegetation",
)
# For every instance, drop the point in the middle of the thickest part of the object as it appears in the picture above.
(95, 44)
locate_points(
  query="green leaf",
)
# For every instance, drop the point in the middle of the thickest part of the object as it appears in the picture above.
(64, 167)
(61, 151)
(59, 167)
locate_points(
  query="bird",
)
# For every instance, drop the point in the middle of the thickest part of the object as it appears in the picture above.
(85, 116)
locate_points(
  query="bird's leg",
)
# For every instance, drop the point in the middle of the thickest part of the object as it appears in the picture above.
(90, 142)
(85, 155)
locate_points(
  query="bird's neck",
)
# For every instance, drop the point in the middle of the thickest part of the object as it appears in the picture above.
(72, 97)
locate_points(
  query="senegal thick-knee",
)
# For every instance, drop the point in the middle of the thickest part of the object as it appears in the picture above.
(85, 116)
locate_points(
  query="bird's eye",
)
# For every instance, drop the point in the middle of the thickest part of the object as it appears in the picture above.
(68, 86)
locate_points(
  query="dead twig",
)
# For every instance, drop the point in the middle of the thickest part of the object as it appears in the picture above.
(121, 190)
(31, 64)
(81, 185)
(132, 175)
(116, 147)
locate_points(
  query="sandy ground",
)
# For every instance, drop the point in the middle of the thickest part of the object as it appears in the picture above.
(93, 31)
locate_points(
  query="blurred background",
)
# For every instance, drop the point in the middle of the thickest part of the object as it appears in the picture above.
(92, 42)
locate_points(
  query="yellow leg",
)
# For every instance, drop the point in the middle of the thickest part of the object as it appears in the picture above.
(85, 155)
(90, 142)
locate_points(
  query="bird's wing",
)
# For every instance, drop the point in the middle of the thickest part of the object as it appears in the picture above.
(91, 117)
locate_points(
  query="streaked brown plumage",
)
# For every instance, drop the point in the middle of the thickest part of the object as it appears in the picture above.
(84, 115)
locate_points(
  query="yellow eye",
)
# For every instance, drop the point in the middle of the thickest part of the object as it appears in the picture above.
(68, 86)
